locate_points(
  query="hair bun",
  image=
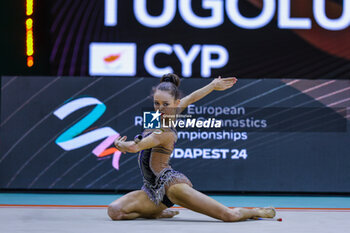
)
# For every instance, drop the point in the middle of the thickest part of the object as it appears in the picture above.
(172, 78)
(167, 79)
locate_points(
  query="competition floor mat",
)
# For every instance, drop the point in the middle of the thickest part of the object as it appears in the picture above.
(21, 212)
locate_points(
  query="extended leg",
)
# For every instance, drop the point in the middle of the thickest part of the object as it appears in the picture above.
(185, 196)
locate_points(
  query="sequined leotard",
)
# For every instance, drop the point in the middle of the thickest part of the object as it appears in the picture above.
(157, 174)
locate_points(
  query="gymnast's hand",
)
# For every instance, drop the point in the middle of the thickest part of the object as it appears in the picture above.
(221, 84)
(118, 143)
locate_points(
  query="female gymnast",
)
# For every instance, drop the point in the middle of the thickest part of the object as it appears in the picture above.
(163, 187)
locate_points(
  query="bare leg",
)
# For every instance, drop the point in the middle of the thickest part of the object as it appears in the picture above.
(185, 196)
(136, 204)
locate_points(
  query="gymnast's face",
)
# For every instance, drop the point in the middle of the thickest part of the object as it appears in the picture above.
(165, 102)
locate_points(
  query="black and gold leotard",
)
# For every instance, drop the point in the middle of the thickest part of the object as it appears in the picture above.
(157, 174)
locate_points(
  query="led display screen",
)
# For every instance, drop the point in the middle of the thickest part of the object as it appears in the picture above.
(202, 38)
(278, 135)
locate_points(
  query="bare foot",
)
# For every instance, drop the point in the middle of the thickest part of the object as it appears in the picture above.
(167, 214)
(268, 212)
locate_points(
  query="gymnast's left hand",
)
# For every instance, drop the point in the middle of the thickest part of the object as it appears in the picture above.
(221, 84)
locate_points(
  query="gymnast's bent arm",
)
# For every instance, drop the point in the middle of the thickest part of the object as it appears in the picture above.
(218, 84)
(148, 142)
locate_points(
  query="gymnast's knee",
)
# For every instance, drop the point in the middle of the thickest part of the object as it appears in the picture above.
(115, 212)
(178, 192)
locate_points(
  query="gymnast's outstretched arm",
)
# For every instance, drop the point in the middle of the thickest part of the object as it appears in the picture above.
(218, 84)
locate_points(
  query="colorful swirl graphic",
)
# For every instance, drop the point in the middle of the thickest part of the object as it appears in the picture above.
(73, 138)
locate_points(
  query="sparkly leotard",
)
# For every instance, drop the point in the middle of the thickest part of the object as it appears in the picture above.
(157, 174)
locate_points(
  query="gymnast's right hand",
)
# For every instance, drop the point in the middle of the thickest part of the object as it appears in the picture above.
(118, 143)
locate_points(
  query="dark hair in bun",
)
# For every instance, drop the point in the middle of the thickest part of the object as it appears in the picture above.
(169, 83)
(173, 78)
